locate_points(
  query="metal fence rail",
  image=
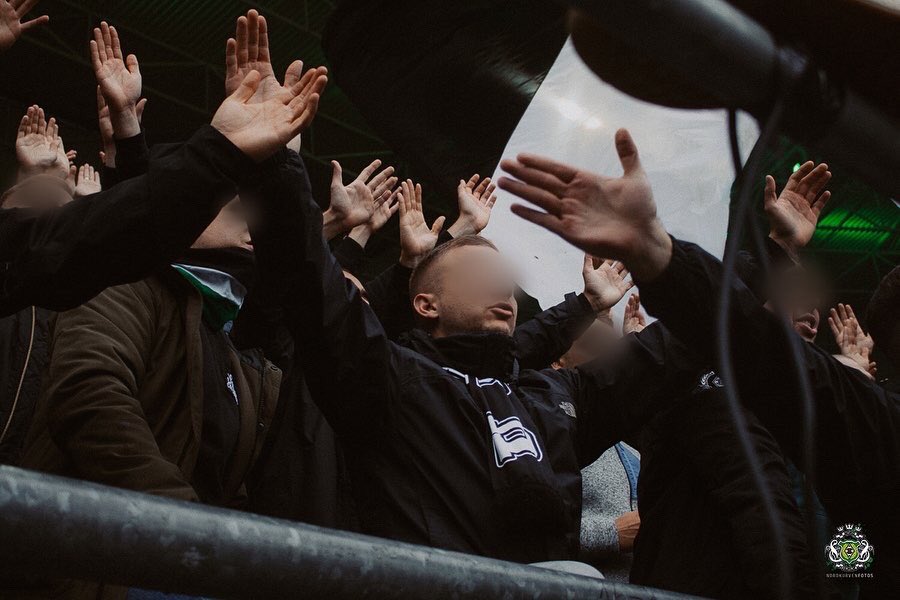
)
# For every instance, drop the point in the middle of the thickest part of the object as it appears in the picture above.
(52, 526)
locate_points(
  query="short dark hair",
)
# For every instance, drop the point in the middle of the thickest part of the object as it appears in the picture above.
(884, 310)
(421, 273)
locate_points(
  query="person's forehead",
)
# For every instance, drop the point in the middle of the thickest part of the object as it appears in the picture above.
(476, 257)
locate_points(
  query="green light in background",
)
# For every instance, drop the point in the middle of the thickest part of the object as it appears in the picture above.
(796, 167)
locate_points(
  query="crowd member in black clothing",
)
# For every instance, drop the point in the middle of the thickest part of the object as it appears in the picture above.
(857, 422)
(59, 260)
(450, 443)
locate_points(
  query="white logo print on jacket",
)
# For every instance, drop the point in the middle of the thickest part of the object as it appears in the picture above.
(511, 440)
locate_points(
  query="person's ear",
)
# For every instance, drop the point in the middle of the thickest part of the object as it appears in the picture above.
(426, 306)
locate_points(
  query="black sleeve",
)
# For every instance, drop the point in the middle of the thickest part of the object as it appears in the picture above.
(261, 320)
(109, 176)
(550, 334)
(61, 259)
(349, 254)
(344, 353)
(616, 395)
(132, 157)
(389, 298)
(857, 423)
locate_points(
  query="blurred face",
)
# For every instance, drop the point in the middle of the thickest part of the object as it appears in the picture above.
(228, 230)
(799, 294)
(42, 193)
(595, 342)
(472, 291)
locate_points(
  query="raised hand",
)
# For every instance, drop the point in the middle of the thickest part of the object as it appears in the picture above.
(852, 341)
(11, 25)
(604, 282)
(416, 238)
(39, 149)
(87, 181)
(259, 129)
(634, 320)
(362, 233)
(354, 204)
(603, 216)
(794, 213)
(475, 203)
(249, 51)
(119, 79)
(107, 131)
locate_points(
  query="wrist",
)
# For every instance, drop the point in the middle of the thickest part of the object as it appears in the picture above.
(125, 123)
(596, 303)
(409, 261)
(462, 226)
(790, 248)
(331, 225)
(361, 234)
(652, 255)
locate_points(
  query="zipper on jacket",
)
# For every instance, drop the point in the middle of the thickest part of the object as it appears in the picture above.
(12, 408)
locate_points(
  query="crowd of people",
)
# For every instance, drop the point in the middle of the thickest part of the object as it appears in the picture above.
(187, 321)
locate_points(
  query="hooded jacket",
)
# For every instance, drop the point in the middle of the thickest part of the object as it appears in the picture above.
(123, 398)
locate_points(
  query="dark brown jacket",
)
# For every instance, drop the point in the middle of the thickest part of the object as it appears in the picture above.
(122, 403)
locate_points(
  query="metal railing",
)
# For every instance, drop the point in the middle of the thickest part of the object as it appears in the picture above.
(52, 527)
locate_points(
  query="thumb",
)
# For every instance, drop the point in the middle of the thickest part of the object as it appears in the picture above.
(337, 175)
(588, 265)
(628, 152)
(133, 66)
(139, 109)
(438, 225)
(248, 87)
(769, 195)
(293, 74)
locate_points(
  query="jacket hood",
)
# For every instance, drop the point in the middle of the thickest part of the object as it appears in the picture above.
(481, 354)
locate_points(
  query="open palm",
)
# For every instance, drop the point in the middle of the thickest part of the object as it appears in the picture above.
(39, 148)
(603, 216)
(416, 237)
(260, 128)
(476, 200)
(119, 77)
(794, 214)
(11, 25)
(249, 51)
(356, 203)
(604, 282)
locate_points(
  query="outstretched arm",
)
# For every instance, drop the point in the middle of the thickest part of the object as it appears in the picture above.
(680, 284)
(551, 333)
(341, 347)
(61, 259)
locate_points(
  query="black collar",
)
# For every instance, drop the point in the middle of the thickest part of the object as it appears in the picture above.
(479, 354)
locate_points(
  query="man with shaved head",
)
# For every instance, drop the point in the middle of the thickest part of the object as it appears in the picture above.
(450, 442)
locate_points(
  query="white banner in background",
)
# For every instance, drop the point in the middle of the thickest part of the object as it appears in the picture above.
(573, 118)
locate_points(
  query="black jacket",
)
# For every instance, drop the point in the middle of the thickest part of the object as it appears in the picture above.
(696, 490)
(24, 352)
(61, 259)
(412, 417)
(857, 423)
